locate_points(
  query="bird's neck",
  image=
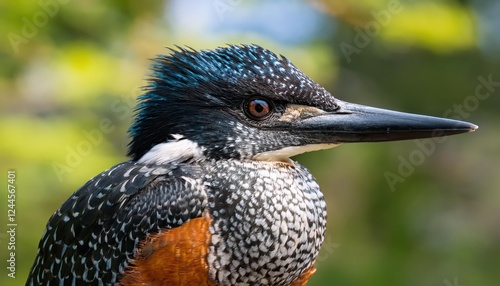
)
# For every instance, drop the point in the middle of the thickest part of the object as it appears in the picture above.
(265, 213)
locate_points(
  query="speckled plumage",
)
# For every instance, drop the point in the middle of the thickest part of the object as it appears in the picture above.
(97, 230)
(210, 148)
(268, 222)
(188, 86)
(264, 231)
(267, 218)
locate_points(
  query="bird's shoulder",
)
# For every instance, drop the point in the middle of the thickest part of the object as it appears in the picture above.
(99, 228)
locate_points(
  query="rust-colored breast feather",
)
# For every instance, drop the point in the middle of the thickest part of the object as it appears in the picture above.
(174, 257)
(178, 257)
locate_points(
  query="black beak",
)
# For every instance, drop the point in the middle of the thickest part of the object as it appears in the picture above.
(358, 123)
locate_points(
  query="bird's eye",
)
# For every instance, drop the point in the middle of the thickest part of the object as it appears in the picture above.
(258, 108)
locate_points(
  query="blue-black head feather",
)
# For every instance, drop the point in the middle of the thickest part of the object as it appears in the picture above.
(198, 94)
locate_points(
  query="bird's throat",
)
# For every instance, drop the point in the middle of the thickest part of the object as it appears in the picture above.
(284, 154)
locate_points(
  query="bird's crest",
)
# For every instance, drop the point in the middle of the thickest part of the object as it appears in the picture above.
(187, 81)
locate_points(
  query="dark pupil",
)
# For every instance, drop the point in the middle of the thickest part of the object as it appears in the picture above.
(258, 107)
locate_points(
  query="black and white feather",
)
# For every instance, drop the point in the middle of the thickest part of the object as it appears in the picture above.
(194, 150)
(95, 233)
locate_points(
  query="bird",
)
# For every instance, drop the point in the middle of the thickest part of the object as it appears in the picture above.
(210, 194)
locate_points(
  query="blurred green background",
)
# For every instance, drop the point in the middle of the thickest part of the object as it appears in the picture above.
(400, 213)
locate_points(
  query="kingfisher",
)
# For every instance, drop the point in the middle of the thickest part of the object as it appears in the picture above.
(210, 195)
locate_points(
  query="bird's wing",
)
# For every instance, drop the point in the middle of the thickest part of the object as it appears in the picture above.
(97, 230)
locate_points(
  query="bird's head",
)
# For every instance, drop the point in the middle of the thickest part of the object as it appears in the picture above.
(245, 102)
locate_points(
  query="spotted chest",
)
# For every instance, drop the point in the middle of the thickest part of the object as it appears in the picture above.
(268, 222)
